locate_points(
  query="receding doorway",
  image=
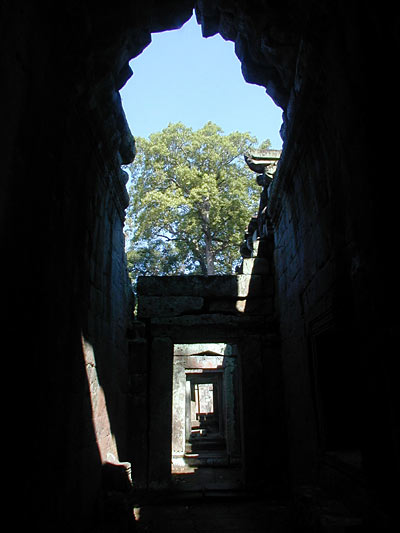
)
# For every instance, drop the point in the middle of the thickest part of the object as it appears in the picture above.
(206, 426)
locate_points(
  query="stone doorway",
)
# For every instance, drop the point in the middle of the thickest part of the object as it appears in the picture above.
(206, 451)
(208, 327)
(204, 420)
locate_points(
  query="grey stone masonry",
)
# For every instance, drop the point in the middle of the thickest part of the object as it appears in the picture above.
(248, 293)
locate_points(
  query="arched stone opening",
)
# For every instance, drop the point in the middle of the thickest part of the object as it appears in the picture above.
(333, 225)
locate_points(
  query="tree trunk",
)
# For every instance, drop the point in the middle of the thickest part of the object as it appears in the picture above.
(205, 216)
(209, 255)
(203, 266)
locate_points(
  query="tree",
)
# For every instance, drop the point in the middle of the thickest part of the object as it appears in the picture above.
(191, 198)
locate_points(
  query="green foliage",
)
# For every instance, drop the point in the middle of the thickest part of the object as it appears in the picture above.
(192, 196)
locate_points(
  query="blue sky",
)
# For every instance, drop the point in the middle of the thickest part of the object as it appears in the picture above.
(182, 77)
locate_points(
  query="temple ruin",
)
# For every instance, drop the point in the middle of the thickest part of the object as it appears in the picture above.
(284, 372)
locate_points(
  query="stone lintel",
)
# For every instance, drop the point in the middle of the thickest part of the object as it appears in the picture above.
(156, 306)
(187, 285)
(207, 319)
(240, 285)
(204, 362)
(201, 348)
(209, 328)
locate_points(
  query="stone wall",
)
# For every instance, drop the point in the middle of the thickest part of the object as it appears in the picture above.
(67, 292)
(326, 256)
(333, 224)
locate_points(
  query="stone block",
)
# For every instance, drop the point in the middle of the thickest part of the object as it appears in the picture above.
(230, 286)
(223, 305)
(203, 286)
(191, 321)
(249, 285)
(153, 306)
(206, 327)
(255, 306)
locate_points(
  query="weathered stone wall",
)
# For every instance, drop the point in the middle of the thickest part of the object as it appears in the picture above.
(67, 292)
(327, 251)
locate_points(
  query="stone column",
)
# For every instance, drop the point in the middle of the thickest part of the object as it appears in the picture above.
(188, 407)
(160, 423)
(231, 411)
(178, 407)
(253, 410)
(138, 411)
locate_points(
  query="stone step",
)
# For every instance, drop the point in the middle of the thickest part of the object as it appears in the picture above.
(206, 459)
(200, 446)
(207, 443)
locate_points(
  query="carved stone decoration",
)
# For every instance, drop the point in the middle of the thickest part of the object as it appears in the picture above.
(265, 163)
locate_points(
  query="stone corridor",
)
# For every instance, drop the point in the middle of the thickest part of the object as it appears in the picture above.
(310, 316)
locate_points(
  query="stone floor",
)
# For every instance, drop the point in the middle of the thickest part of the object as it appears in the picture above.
(209, 499)
(212, 499)
(212, 516)
(207, 479)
